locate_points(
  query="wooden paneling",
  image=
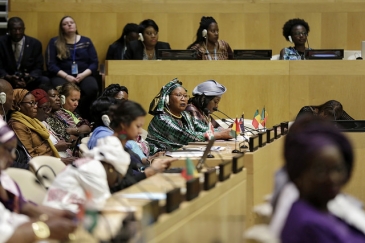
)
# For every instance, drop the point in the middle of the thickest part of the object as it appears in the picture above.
(243, 23)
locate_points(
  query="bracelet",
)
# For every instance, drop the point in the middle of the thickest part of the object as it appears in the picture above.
(41, 230)
(66, 76)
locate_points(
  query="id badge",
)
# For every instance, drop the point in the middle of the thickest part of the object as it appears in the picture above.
(74, 69)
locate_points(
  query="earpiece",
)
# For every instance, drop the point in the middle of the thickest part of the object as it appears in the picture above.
(63, 99)
(106, 120)
(2, 98)
(204, 33)
(290, 39)
(167, 100)
(141, 37)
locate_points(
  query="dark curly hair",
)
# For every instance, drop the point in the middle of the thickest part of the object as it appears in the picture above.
(204, 24)
(288, 26)
(113, 89)
(125, 112)
(201, 102)
(128, 28)
(99, 108)
(147, 23)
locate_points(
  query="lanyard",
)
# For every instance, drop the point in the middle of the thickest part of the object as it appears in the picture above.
(74, 53)
(20, 54)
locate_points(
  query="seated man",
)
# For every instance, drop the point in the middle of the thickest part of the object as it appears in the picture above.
(21, 60)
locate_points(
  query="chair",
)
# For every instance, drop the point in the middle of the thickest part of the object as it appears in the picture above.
(275, 57)
(351, 55)
(85, 140)
(30, 186)
(83, 148)
(46, 168)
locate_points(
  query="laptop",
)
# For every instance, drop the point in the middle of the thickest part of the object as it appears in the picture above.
(252, 54)
(201, 162)
(324, 54)
(166, 54)
(350, 126)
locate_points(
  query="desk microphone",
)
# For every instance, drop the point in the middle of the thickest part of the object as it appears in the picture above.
(248, 129)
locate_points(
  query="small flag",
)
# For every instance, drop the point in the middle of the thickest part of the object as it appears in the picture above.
(256, 119)
(189, 171)
(236, 130)
(264, 116)
(242, 123)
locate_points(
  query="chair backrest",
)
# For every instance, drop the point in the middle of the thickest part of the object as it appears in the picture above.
(275, 57)
(83, 148)
(351, 54)
(46, 168)
(29, 185)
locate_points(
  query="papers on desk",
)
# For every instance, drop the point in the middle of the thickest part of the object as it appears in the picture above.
(184, 153)
(119, 208)
(145, 196)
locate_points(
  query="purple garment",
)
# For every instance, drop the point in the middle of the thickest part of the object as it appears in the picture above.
(305, 224)
(15, 202)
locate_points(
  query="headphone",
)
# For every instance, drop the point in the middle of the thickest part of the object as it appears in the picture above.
(167, 100)
(141, 37)
(290, 39)
(106, 120)
(2, 98)
(63, 99)
(204, 33)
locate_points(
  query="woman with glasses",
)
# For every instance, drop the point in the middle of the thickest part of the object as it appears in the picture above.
(29, 130)
(207, 45)
(205, 100)
(311, 207)
(296, 31)
(172, 127)
(147, 46)
(44, 108)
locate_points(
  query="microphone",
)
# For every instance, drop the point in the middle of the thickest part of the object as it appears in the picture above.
(216, 109)
(223, 120)
(246, 128)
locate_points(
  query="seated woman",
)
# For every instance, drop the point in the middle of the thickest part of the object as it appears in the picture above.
(70, 96)
(118, 48)
(146, 48)
(295, 31)
(126, 120)
(332, 110)
(29, 130)
(96, 174)
(43, 109)
(204, 102)
(171, 126)
(116, 91)
(19, 217)
(72, 58)
(207, 45)
(318, 160)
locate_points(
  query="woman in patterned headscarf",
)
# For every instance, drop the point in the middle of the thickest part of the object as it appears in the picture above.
(172, 126)
(204, 102)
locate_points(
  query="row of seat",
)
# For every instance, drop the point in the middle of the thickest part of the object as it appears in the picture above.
(348, 55)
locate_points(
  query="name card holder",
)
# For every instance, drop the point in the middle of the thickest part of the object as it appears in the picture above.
(277, 131)
(173, 200)
(270, 135)
(262, 139)
(210, 179)
(254, 143)
(284, 127)
(237, 163)
(150, 212)
(225, 170)
(192, 189)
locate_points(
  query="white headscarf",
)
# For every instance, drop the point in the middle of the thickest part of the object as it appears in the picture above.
(209, 88)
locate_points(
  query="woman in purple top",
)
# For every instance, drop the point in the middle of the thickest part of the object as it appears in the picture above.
(71, 57)
(319, 161)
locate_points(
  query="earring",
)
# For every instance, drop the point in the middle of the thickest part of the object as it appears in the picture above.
(111, 170)
(122, 135)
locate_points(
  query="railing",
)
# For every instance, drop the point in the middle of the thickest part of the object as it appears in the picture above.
(3, 13)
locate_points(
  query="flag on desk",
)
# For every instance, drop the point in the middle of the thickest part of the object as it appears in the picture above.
(256, 119)
(235, 130)
(189, 171)
(264, 116)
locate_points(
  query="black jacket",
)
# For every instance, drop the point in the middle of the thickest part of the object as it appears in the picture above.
(135, 49)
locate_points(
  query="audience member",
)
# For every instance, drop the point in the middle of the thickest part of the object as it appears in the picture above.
(21, 218)
(205, 100)
(146, 48)
(117, 49)
(29, 130)
(332, 110)
(126, 120)
(102, 168)
(116, 91)
(172, 126)
(21, 59)
(207, 45)
(295, 31)
(70, 96)
(72, 58)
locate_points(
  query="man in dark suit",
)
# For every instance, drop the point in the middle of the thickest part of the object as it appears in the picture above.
(21, 60)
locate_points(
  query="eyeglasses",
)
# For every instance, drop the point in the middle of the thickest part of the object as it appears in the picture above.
(32, 103)
(300, 33)
(180, 96)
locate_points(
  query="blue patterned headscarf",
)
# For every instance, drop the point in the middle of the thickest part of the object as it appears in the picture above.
(158, 103)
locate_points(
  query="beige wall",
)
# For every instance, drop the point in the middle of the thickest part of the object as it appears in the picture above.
(243, 23)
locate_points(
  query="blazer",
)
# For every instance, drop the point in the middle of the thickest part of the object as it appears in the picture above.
(135, 49)
(32, 59)
(115, 51)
